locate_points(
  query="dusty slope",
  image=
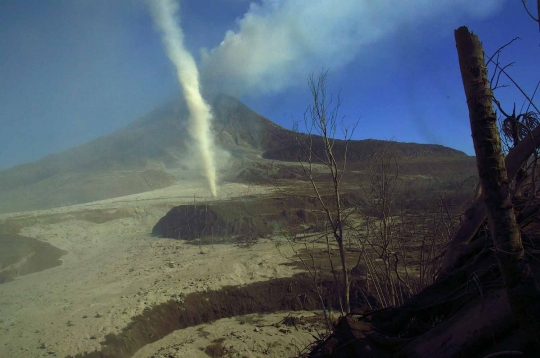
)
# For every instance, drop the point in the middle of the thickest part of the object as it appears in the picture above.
(155, 151)
(114, 270)
(251, 335)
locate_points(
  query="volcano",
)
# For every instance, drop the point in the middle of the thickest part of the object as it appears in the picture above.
(155, 151)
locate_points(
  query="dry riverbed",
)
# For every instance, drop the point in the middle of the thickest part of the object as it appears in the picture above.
(114, 270)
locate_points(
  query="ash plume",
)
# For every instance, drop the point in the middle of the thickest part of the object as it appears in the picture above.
(165, 14)
(277, 43)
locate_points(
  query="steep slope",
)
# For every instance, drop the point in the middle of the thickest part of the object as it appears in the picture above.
(246, 128)
(142, 156)
(131, 160)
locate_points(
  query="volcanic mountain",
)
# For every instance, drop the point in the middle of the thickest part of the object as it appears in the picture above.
(154, 151)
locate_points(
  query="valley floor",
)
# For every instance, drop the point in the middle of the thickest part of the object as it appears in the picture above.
(114, 270)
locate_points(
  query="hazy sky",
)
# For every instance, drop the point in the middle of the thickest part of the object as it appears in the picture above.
(73, 70)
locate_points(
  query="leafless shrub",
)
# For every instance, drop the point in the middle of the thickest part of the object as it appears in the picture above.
(401, 249)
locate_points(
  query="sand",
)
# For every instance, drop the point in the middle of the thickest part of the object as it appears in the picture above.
(251, 335)
(115, 269)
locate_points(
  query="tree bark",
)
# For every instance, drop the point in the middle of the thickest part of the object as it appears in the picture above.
(522, 291)
(538, 8)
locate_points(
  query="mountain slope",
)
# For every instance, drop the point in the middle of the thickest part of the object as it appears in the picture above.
(278, 143)
(143, 155)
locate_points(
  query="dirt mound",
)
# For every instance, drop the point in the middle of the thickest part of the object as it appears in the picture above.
(248, 219)
(190, 222)
(23, 255)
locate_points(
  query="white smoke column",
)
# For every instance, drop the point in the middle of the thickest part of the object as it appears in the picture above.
(164, 14)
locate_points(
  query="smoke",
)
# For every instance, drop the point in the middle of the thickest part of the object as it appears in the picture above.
(277, 43)
(164, 13)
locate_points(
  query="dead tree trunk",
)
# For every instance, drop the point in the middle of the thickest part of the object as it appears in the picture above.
(522, 291)
(324, 121)
(476, 214)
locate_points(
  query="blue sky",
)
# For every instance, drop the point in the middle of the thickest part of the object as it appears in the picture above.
(71, 71)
